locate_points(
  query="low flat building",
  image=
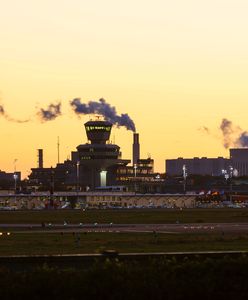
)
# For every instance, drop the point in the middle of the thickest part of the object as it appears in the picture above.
(9, 180)
(197, 166)
(237, 161)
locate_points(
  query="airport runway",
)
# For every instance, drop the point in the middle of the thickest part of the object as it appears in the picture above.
(138, 228)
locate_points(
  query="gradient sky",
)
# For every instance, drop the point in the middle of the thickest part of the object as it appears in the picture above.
(173, 66)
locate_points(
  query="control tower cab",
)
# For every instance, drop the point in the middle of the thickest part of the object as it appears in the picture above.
(98, 132)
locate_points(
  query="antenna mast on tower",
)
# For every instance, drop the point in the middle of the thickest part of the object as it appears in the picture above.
(58, 148)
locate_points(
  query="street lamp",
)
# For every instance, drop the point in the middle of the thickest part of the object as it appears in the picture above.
(229, 174)
(77, 187)
(51, 202)
(135, 174)
(233, 173)
(184, 178)
(225, 174)
(15, 176)
(78, 164)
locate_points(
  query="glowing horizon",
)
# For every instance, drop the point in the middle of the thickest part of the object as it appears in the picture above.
(174, 67)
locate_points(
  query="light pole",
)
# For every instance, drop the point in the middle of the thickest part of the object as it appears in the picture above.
(15, 176)
(225, 174)
(15, 179)
(78, 164)
(184, 178)
(135, 174)
(51, 202)
(228, 174)
(231, 175)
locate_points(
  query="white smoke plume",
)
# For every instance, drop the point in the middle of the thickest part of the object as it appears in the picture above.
(105, 109)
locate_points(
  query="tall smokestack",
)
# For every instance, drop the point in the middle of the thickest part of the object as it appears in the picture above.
(40, 158)
(136, 148)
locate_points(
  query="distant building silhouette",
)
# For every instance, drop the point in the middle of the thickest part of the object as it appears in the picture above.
(9, 180)
(196, 165)
(97, 165)
(210, 166)
(239, 160)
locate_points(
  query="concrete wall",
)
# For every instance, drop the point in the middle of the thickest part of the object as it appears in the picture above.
(166, 201)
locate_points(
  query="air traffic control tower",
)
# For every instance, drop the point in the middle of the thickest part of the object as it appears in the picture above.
(98, 160)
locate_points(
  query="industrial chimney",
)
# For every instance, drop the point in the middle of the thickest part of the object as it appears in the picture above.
(40, 158)
(136, 148)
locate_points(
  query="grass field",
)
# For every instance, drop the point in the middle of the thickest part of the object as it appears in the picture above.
(30, 243)
(141, 216)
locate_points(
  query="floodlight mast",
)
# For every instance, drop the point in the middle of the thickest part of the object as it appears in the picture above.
(135, 175)
(15, 176)
(184, 178)
(78, 166)
(229, 174)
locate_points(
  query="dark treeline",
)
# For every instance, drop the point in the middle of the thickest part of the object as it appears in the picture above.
(198, 278)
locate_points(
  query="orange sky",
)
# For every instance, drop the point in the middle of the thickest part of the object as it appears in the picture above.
(173, 66)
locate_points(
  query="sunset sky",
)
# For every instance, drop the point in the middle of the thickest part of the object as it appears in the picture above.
(174, 66)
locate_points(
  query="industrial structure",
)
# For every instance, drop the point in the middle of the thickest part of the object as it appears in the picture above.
(136, 149)
(96, 165)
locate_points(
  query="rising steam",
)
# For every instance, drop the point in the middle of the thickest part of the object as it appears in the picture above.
(242, 140)
(104, 109)
(227, 130)
(1, 110)
(92, 107)
(51, 113)
(233, 136)
(8, 118)
(204, 129)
